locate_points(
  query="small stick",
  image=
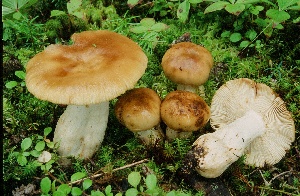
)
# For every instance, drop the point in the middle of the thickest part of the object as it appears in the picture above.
(114, 170)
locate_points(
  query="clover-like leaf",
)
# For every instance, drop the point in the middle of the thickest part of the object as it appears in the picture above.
(216, 6)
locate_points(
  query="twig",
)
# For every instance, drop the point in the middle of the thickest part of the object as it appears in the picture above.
(114, 170)
(269, 183)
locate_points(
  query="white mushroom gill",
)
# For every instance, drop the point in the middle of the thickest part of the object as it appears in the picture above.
(80, 129)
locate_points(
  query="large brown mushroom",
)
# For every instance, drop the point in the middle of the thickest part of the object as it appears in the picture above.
(97, 67)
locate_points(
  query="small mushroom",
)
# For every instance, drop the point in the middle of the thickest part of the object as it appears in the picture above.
(96, 68)
(183, 112)
(188, 65)
(44, 157)
(139, 110)
(249, 119)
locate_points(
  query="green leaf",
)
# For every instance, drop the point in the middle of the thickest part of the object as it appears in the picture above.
(248, 1)
(6, 11)
(139, 29)
(235, 9)
(35, 153)
(147, 22)
(278, 16)
(13, 4)
(131, 192)
(87, 183)
(26, 143)
(77, 176)
(45, 185)
(216, 6)
(159, 27)
(244, 44)
(50, 144)
(47, 130)
(57, 13)
(285, 4)
(73, 5)
(256, 9)
(134, 178)
(251, 34)
(261, 22)
(96, 193)
(76, 191)
(297, 20)
(11, 84)
(21, 159)
(183, 11)
(78, 14)
(195, 1)
(132, 3)
(40, 146)
(59, 193)
(151, 181)
(64, 188)
(226, 34)
(235, 37)
(108, 190)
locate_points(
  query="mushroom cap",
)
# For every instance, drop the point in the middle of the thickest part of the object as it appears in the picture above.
(138, 109)
(98, 66)
(187, 63)
(184, 111)
(233, 99)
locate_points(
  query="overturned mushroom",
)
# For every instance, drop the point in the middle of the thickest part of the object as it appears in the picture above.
(251, 120)
(96, 68)
(139, 110)
(183, 112)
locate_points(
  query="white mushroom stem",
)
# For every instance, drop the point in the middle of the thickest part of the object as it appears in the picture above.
(200, 90)
(151, 136)
(80, 129)
(221, 148)
(172, 134)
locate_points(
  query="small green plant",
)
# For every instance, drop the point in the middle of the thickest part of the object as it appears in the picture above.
(35, 149)
(21, 75)
(148, 32)
(47, 187)
(73, 8)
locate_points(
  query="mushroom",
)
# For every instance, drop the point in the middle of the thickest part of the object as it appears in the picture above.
(96, 68)
(249, 119)
(188, 65)
(139, 110)
(183, 112)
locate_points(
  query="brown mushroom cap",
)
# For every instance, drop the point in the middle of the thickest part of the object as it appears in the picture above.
(235, 98)
(138, 109)
(98, 66)
(187, 63)
(184, 111)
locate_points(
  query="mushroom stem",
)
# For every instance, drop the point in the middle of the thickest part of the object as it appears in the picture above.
(241, 132)
(151, 136)
(218, 150)
(200, 90)
(172, 134)
(80, 129)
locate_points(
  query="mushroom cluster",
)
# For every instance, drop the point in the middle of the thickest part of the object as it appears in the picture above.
(249, 119)
(96, 68)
